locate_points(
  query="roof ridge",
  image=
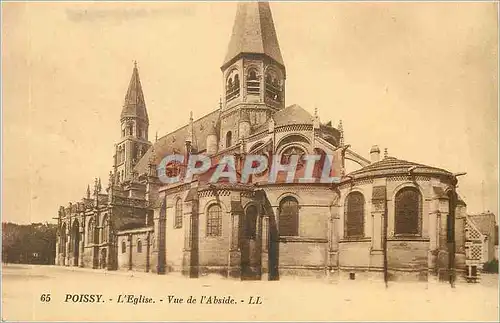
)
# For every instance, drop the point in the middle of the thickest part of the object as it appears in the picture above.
(187, 125)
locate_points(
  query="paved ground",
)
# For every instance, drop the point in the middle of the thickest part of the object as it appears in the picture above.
(298, 300)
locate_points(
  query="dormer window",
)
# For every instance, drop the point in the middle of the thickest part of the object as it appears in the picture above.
(253, 84)
(273, 86)
(232, 85)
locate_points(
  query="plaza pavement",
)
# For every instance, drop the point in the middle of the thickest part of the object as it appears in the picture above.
(287, 299)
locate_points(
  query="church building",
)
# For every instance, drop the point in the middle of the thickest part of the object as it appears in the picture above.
(389, 219)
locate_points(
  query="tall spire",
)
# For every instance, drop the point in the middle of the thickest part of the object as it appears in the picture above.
(253, 32)
(135, 105)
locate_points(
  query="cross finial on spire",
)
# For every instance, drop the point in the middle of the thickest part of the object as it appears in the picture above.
(88, 191)
(135, 64)
(156, 136)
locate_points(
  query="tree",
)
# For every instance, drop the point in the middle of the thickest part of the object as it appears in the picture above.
(32, 244)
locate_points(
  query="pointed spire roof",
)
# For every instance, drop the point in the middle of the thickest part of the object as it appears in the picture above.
(253, 32)
(135, 105)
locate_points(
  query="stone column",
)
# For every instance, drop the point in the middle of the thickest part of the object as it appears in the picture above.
(57, 261)
(443, 254)
(68, 241)
(333, 239)
(377, 218)
(157, 255)
(264, 262)
(460, 238)
(378, 211)
(82, 242)
(433, 242)
(377, 252)
(234, 261)
(188, 239)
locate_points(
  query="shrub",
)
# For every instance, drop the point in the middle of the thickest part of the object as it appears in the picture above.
(491, 266)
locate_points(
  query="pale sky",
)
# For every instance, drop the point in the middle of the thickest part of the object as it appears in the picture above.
(417, 78)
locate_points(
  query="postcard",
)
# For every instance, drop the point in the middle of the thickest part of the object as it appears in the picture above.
(304, 161)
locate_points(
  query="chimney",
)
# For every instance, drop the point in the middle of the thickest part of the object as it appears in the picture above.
(375, 154)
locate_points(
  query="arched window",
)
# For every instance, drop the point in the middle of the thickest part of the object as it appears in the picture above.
(291, 151)
(253, 84)
(289, 217)
(408, 211)
(273, 86)
(236, 81)
(251, 222)
(139, 246)
(232, 85)
(105, 229)
(130, 129)
(90, 232)
(229, 139)
(354, 211)
(178, 214)
(214, 221)
(124, 247)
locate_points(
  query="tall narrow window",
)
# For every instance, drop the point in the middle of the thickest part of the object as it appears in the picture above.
(251, 222)
(90, 232)
(178, 214)
(124, 247)
(232, 85)
(105, 229)
(229, 139)
(354, 215)
(214, 221)
(289, 217)
(253, 84)
(408, 211)
(139, 246)
(273, 86)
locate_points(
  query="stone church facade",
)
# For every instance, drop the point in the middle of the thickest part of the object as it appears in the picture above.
(391, 218)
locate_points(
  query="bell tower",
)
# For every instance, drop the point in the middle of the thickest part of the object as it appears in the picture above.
(134, 120)
(253, 72)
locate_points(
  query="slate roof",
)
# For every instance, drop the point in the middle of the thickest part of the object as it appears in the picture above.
(293, 114)
(253, 32)
(485, 222)
(134, 104)
(392, 165)
(174, 142)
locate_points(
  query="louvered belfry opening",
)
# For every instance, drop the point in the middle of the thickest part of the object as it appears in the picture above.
(408, 211)
(354, 215)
